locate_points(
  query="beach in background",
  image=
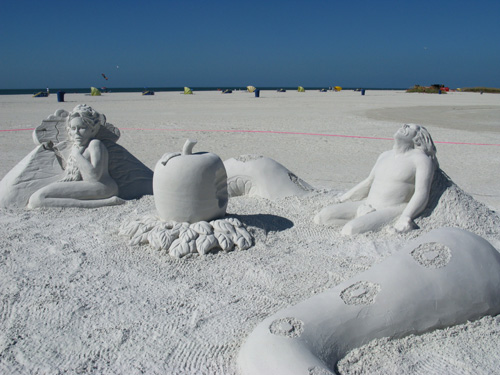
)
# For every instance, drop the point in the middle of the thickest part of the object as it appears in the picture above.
(77, 298)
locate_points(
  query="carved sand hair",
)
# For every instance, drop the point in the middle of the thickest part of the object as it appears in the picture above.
(88, 115)
(424, 142)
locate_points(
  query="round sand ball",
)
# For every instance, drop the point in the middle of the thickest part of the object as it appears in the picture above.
(190, 187)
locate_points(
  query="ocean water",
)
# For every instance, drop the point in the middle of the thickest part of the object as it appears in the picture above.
(86, 90)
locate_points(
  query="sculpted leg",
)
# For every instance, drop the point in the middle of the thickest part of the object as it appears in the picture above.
(76, 194)
(337, 214)
(372, 221)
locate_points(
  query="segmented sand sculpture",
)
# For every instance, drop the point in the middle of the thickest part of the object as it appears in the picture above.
(443, 278)
(190, 193)
(257, 175)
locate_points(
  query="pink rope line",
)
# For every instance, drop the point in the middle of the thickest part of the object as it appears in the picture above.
(15, 130)
(277, 132)
(309, 134)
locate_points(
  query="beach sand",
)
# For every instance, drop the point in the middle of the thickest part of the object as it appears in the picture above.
(77, 298)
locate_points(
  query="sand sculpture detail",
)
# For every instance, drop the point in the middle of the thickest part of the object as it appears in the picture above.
(420, 288)
(256, 175)
(77, 163)
(190, 193)
(190, 187)
(179, 239)
(398, 187)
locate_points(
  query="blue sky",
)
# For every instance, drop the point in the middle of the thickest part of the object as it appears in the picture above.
(351, 43)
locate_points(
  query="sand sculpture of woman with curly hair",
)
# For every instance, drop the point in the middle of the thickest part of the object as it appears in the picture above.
(86, 182)
(398, 187)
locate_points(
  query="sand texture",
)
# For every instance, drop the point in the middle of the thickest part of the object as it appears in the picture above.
(76, 297)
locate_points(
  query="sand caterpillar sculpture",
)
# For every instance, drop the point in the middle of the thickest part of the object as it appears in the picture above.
(446, 277)
(76, 163)
(397, 189)
(256, 175)
(190, 193)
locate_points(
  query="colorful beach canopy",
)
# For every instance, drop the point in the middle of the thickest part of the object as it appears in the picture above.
(301, 89)
(94, 91)
(337, 88)
(188, 91)
(251, 88)
(41, 94)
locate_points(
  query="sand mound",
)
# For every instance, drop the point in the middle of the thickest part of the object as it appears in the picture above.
(76, 297)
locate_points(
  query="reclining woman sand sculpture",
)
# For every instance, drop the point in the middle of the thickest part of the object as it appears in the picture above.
(86, 182)
(398, 186)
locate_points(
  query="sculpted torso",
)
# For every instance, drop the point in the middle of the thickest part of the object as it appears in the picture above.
(393, 179)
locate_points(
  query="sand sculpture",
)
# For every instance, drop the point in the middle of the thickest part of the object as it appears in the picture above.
(443, 278)
(398, 187)
(77, 163)
(190, 187)
(256, 175)
(190, 193)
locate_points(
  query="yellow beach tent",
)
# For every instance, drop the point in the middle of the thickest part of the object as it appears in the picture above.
(250, 88)
(188, 91)
(94, 92)
(301, 89)
(337, 88)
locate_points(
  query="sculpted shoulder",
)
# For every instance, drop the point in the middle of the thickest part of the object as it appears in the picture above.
(421, 157)
(385, 155)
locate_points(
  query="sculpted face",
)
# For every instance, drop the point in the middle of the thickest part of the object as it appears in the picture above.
(80, 132)
(407, 132)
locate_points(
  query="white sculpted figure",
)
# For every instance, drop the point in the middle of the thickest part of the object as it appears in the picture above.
(398, 187)
(86, 182)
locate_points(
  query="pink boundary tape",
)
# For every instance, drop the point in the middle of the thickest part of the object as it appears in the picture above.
(277, 132)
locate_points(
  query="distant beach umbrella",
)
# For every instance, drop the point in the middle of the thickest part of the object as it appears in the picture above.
(301, 89)
(337, 88)
(188, 91)
(95, 91)
(250, 88)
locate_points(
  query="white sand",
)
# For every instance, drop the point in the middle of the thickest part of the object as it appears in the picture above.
(76, 297)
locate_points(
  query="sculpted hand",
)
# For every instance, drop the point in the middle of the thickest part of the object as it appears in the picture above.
(404, 224)
(77, 149)
(340, 199)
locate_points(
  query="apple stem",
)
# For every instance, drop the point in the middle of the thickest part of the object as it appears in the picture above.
(188, 147)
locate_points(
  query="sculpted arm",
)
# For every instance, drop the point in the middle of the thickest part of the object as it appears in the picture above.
(92, 168)
(358, 192)
(423, 180)
(361, 190)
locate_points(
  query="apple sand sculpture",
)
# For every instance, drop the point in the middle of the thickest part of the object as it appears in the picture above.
(190, 193)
